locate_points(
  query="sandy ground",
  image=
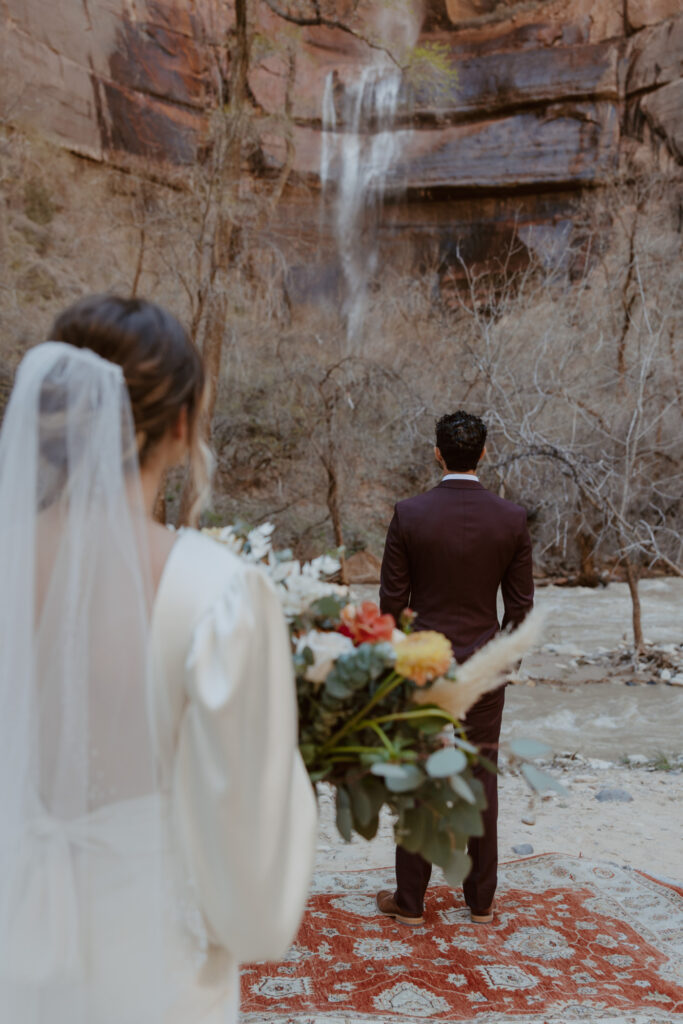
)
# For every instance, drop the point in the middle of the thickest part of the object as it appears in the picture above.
(645, 833)
(605, 734)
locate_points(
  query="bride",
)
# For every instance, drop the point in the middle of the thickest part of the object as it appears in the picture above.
(157, 825)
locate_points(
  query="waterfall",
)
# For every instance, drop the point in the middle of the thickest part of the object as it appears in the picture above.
(359, 154)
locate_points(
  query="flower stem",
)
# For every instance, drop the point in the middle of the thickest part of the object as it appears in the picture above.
(389, 684)
(342, 759)
(402, 716)
(373, 724)
(358, 750)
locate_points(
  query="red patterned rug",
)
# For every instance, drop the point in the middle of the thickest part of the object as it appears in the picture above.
(572, 941)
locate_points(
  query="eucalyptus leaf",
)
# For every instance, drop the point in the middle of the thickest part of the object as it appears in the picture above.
(307, 655)
(528, 748)
(540, 781)
(465, 745)
(457, 868)
(384, 654)
(387, 768)
(465, 819)
(344, 821)
(343, 669)
(328, 607)
(412, 778)
(336, 687)
(436, 848)
(477, 787)
(399, 778)
(446, 762)
(357, 668)
(375, 791)
(369, 830)
(488, 764)
(367, 796)
(361, 805)
(462, 788)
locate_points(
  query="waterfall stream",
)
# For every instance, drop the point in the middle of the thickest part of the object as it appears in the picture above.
(359, 154)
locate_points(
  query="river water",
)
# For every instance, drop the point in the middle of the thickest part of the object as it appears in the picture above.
(589, 709)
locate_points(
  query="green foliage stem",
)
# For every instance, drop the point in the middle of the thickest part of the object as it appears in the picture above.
(390, 683)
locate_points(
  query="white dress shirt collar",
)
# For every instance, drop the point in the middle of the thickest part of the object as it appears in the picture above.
(460, 476)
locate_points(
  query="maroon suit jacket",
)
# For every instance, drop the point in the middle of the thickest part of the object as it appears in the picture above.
(447, 552)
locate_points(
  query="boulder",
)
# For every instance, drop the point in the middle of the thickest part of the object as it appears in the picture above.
(362, 567)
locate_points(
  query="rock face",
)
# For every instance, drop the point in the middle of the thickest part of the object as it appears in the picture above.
(107, 77)
(515, 107)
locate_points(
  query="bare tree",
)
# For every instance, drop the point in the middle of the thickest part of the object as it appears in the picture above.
(589, 391)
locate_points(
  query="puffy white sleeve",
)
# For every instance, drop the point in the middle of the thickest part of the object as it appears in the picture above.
(243, 802)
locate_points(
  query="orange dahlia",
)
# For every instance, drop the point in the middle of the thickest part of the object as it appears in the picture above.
(423, 656)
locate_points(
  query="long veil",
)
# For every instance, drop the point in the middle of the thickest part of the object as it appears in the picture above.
(82, 872)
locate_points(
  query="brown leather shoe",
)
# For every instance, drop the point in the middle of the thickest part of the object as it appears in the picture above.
(482, 916)
(386, 904)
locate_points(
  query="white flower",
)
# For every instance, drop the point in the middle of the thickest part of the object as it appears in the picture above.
(299, 589)
(280, 569)
(226, 535)
(325, 648)
(298, 586)
(260, 543)
(323, 565)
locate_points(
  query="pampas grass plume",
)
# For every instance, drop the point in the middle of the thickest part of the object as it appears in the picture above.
(484, 671)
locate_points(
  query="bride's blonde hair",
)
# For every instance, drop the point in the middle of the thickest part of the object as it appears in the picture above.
(162, 368)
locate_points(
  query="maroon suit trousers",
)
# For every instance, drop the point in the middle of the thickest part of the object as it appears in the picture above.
(413, 871)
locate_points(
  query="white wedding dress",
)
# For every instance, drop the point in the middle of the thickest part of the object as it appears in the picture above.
(157, 826)
(241, 804)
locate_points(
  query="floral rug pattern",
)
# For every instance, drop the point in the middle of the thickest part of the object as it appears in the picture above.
(572, 941)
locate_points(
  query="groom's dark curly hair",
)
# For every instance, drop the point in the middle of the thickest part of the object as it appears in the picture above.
(460, 437)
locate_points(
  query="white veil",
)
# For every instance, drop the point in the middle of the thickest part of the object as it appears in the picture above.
(82, 872)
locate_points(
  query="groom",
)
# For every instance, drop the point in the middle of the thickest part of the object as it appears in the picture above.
(447, 552)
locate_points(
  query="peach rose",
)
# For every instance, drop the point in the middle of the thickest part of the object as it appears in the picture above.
(365, 624)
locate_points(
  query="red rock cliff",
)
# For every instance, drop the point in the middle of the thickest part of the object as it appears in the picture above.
(547, 97)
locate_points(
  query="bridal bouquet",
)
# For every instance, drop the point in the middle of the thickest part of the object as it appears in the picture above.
(379, 708)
